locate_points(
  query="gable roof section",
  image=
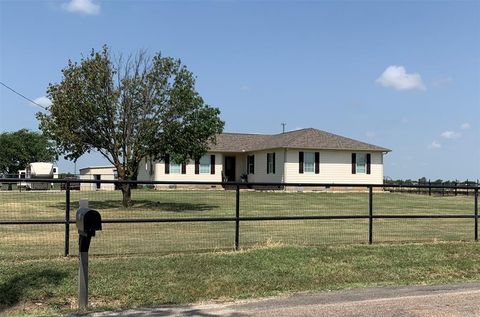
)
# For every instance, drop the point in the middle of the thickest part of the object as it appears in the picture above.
(299, 139)
(238, 142)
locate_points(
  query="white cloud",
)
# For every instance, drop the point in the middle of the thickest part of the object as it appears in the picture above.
(82, 6)
(397, 78)
(42, 101)
(451, 135)
(434, 145)
(465, 126)
(245, 88)
(370, 134)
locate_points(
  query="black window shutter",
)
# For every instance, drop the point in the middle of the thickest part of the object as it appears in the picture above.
(300, 162)
(317, 162)
(354, 163)
(369, 159)
(253, 164)
(197, 166)
(212, 164)
(167, 164)
(273, 158)
(268, 169)
(184, 168)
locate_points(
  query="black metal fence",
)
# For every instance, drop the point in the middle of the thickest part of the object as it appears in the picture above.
(438, 187)
(190, 216)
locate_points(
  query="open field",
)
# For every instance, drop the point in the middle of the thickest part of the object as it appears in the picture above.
(39, 241)
(147, 264)
(48, 286)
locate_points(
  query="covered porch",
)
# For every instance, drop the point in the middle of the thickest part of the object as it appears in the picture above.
(234, 167)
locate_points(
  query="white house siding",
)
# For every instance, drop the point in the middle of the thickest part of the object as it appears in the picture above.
(260, 174)
(190, 175)
(89, 173)
(335, 167)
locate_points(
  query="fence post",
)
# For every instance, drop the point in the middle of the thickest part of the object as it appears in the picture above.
(237, 216)
(370, 215)
(456, 184)
(476, 213)
(67, 218)
(429, 188)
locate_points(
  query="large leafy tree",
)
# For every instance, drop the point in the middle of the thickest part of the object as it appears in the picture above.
(127, 110)
(22, 147)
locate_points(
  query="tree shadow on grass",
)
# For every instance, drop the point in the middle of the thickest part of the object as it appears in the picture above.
(16, 288)
(142, 205)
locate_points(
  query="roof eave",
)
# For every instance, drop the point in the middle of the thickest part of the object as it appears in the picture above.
(299, 148)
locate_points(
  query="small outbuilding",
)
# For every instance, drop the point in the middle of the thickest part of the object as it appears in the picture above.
(98, 173)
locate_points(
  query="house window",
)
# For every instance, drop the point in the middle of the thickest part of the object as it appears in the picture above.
(205, 164)
(309, 162)
(270, 163)
(175, 168)
(250, 164)
(361, 163)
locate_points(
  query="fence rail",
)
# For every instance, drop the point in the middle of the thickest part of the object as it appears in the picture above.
(244, 207)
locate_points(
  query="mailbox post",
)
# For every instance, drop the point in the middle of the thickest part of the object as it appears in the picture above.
(88, 221)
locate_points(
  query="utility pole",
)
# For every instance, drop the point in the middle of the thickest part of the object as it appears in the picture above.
(283, 127)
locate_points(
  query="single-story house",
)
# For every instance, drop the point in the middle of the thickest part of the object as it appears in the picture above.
(301, 156)
(98, 173)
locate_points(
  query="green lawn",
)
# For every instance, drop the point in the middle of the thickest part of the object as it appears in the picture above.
(164, 263)
(49, 286)
(38, 241)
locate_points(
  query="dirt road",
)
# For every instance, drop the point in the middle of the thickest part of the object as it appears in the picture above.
(460, 300)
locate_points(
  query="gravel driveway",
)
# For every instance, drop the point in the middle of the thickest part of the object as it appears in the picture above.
(462, 300)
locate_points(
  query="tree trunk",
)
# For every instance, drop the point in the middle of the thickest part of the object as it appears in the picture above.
(127, 195)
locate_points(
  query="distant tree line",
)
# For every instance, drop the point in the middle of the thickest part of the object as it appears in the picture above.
(425, 181)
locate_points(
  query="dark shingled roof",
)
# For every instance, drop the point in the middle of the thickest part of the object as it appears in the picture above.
(299, 139)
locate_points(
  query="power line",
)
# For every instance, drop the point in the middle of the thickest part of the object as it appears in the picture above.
(24, 97)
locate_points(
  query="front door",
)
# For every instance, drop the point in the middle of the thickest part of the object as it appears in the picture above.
(98, 178)
(230, 168)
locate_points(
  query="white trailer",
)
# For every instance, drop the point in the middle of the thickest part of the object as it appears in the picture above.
(38, 170)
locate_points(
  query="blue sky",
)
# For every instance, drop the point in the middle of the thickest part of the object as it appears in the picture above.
(403, 75)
